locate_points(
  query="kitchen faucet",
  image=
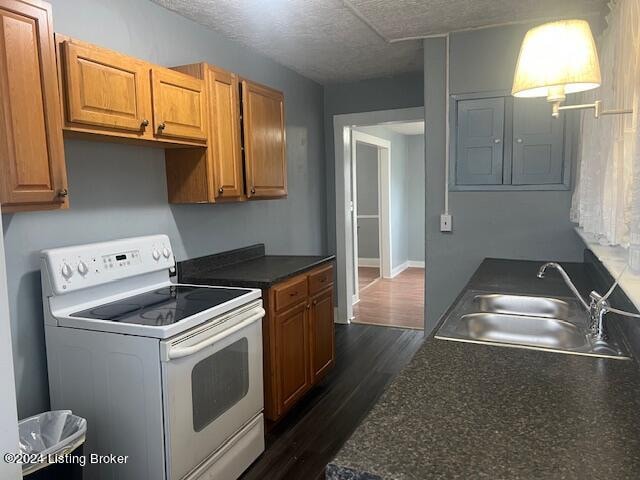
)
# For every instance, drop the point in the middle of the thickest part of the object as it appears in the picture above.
(598, 305)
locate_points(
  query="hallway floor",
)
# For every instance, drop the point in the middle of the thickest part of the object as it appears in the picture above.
(397, 302)
(366, 276)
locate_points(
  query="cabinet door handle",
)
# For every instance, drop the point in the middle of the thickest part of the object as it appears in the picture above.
(497, 140)
(63, 193)
(161, 127)
(221, 190)
(144, 124)
(315, 302)
(519, 140)
(308, 306)
(253, 190)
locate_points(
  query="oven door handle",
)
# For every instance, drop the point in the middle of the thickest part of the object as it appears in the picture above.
(181, 352)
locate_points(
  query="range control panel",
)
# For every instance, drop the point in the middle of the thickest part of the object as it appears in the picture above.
(82, 266)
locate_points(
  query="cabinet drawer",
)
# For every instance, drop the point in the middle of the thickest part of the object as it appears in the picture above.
(320, 279)
(291, 292)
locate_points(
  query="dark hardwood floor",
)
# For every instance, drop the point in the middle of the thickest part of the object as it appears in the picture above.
(367, 358)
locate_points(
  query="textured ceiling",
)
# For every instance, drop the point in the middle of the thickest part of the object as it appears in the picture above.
(401, 19)
(338, 40)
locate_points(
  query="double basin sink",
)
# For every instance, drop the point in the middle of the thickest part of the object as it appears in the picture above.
(538, 323)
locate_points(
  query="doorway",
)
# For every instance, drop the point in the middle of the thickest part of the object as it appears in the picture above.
(370, 195)
(385, 241)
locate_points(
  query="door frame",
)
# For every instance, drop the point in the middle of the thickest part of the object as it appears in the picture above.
(8, 407)
(342, 125)
(383, 148)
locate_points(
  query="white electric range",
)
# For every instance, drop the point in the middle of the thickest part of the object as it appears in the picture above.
(169, 375)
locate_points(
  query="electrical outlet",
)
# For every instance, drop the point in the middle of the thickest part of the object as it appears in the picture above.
(445, 222)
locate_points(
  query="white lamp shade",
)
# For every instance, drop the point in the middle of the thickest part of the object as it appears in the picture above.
(558, 56)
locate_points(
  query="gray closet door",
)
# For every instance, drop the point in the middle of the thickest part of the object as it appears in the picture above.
(538, 143)
(480, 141)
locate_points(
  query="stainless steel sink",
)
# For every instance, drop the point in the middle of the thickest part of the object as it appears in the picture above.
(538, 323)
(521, 330)
(523, 305)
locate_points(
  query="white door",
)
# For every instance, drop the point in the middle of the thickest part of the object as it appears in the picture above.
(212, 386)
(8, 409)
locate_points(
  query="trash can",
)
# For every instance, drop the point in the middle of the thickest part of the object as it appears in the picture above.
(54, 442)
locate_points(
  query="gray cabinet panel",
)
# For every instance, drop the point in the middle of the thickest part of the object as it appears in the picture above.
(480, 140)
(538, 143)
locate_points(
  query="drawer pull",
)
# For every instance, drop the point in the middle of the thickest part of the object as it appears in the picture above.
(293, 294)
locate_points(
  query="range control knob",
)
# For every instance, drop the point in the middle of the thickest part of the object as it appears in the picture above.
(156, 255)
(166, 253)
(67, 271)
(82, 268)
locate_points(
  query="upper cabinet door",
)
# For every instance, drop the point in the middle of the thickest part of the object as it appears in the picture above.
(225, 150)
(264, 141)
(31, 147)
(538, 143)
(179, 105)
(480, 140)
(105, 88)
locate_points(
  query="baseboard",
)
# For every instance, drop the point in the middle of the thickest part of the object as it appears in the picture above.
(337, 319)
(368, 262)
(399, 269)
(416, 264)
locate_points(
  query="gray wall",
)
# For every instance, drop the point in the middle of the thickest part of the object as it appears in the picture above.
(120, 190)
(367, 178)
(8, 412)
(415, 202)
(367, 201)
(389, 93)
(399, 196)
(519, 225)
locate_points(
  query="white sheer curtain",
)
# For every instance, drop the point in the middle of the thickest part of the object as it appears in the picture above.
(606, 200)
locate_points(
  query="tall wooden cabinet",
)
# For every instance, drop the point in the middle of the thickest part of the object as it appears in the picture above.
(298, 338)
(217, 174)
(246, 156)
(122, 98)
(264, 141)
(31, 147)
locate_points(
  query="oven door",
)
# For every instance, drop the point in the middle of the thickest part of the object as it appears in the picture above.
(212, 386)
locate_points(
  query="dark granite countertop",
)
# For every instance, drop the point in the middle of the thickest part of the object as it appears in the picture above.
(247, 267)
(465, 411)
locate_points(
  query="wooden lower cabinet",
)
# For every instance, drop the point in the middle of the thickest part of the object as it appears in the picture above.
(293, 351)
(322, 334)
(298, 339)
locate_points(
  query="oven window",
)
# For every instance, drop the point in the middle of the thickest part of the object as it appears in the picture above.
(219, 382)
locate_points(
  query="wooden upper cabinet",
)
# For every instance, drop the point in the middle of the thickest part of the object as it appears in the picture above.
(215, 175)
(179, 105)
(105, 88)
(122, 98)
(31, 148)
(224, 134)
(264, 141)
